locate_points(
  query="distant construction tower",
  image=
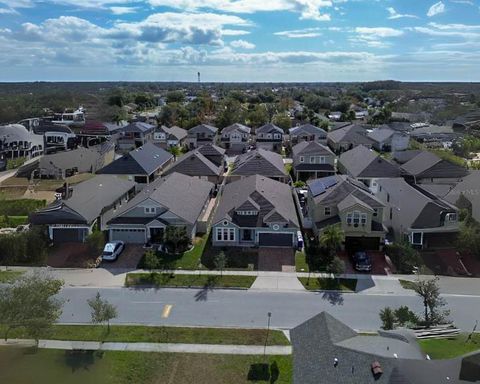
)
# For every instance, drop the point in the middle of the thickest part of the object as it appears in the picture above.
(198, 75)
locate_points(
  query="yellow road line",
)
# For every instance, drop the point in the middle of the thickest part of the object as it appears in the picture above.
(166, 311)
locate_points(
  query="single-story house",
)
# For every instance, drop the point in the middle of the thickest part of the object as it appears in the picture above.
(366, 166)
(259, 162)
(386, 139)
(83, 207)
(142, 165)
(346, 138)
(172, 200)
(312, 160)
(466, 194)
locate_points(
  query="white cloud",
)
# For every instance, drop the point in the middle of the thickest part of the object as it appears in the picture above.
(436, 9)
(123, 10)
(8, 11)
(308, 9)
(234, 32)
(375, 37)
(242, 44)
(395, 15)
(300, 33)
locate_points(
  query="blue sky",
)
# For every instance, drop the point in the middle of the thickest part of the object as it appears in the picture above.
(240, 40)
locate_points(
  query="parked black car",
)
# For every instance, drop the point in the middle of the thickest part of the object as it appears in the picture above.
(362, 261)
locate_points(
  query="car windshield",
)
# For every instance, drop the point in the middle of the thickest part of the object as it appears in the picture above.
(362, 257)
(107, 253)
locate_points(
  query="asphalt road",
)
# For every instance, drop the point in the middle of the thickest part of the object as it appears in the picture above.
(238, 308)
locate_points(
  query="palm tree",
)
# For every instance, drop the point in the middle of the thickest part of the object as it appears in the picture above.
(332, 238)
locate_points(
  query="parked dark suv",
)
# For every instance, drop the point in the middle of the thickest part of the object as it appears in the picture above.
(362, 261)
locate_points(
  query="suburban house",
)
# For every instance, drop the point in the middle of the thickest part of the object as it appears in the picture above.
(213, 153)
(166, 137)
(134, 135)
(173, 200)
(466, 194)
(269, 137)
(386, 139)
(427, 220)
(235, 137)
(312, 160)
(346, 138)
(194, 164)
(83, 207)
(259, 162)
(18, 141)
(142, 165)
(366, 166)
(61, 165)
(426, 167)
(200, 135)
(256, 212)
(342, 200)
(325, 350)
(307, 132)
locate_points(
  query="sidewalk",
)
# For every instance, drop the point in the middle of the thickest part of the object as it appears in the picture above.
(216, 349)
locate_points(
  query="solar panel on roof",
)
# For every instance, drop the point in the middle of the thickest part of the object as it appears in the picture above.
(329, 181)
(317, 187)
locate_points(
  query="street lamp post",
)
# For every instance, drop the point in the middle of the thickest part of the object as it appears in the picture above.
(269, 315)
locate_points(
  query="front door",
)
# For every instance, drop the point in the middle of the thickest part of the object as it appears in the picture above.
(246, 235)
(156, 235)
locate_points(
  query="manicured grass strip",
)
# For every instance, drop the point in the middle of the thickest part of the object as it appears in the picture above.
(301, 264)
(55, 366)
(134, 333)
(174, 280)
(9, 276)
(449, 348)
(406, 284)
(314, 284)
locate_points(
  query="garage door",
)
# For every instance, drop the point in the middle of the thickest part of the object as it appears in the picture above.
(275, 239)
(68, 235)
(130, 236)
(355, 244)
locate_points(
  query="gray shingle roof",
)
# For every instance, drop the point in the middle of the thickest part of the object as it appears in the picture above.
(194, 164)
(183, 195)
(269, 128)
(211, 150)
(428, 165)
(402, 157)
(141, 161)
(137, 126)
(269, 195)
(260, 162)
(353, 134)
(379, 135)
(203, 128)
(469, 187)
(307, 147)
(173, 132)
(236, 127)
(363, 162)
(307, 129)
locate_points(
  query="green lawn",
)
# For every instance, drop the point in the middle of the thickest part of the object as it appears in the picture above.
(134, 333)
(449, 348)
(9, 276)
(202, 281)
(407, 284)
(12, 221)
(21, 366)
(314, 284)
(301, 264)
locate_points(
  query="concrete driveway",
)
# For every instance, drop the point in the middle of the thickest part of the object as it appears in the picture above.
(128, 259)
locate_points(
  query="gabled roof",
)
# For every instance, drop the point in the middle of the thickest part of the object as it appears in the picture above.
(269, 128)
(194, 164)
(203, 128)
(137, 126)
(354, 134)
(236, 127)
(88, 200)
(211, 150)
(469, 188)
(427, 164)
(273, 198)
(332, 190)
(363, 162)
(307, 129)
(141, 161)
(260, 162)
(310, 147)
(402, 157)
(350, 201)
(379, 135)
(173, 132)
(183, 195)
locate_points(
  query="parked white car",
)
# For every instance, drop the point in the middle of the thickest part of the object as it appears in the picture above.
(112, 250)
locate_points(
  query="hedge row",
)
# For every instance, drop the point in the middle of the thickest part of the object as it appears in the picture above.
(20, 207)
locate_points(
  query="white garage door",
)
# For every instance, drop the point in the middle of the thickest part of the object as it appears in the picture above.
(129, 236)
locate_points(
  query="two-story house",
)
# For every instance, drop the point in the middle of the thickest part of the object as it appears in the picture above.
(201, 135)
(269, 137)
(312, 160)
(213, 153)
(342, 200)
(367, 166)
(134, 135)
(173, 200)
(256, 212)
(166, 137)
(235, 137)
(412, 212)
(307, 132)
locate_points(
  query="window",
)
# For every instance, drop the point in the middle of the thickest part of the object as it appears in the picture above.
(356, 218)
(302, 159)
(318, 159)
(275, 227)
(327, 211)
(388, 197)
(150, 210)
(417, 238)
(451, 217)
(247, 213)
(375, 212)
(349, 218)
(363, 218)
(391, 213)
(225, 234)
(276, 136)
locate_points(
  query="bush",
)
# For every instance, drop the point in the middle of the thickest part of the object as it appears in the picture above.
(404, 256)
(388, 318)
(24, 248)
(96, 242)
